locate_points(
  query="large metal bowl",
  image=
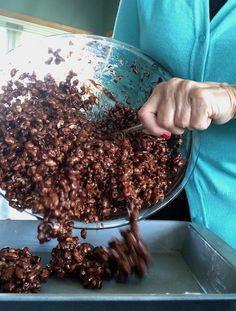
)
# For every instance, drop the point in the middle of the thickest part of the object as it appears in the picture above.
(122, 69)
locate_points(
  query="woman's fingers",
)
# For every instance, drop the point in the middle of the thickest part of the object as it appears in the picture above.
(158, 113)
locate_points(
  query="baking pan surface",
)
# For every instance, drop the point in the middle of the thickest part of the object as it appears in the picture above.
(188, 263)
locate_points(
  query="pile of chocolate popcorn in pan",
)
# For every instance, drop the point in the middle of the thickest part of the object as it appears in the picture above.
(59, 164)
(20, 271)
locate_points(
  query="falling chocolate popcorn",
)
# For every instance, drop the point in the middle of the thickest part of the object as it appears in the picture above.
(91, 265)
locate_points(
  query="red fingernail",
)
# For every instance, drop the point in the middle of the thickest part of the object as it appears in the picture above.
(166, 136)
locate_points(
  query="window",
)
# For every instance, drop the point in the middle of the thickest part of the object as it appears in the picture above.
(14, 32)
(17, 29)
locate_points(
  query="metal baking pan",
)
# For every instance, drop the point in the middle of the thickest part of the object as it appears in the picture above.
(191, 269)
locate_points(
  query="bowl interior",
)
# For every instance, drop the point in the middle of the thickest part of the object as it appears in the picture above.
(109, 69)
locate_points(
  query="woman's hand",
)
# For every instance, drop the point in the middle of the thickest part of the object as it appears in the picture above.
(180, 104)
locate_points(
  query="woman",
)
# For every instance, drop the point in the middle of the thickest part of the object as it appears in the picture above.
(195, 43)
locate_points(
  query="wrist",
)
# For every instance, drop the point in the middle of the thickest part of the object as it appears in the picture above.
(230, 89)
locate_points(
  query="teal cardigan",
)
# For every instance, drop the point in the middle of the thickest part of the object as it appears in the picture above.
(180, 36)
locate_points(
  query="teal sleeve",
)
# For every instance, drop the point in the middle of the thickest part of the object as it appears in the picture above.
(127, 23)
